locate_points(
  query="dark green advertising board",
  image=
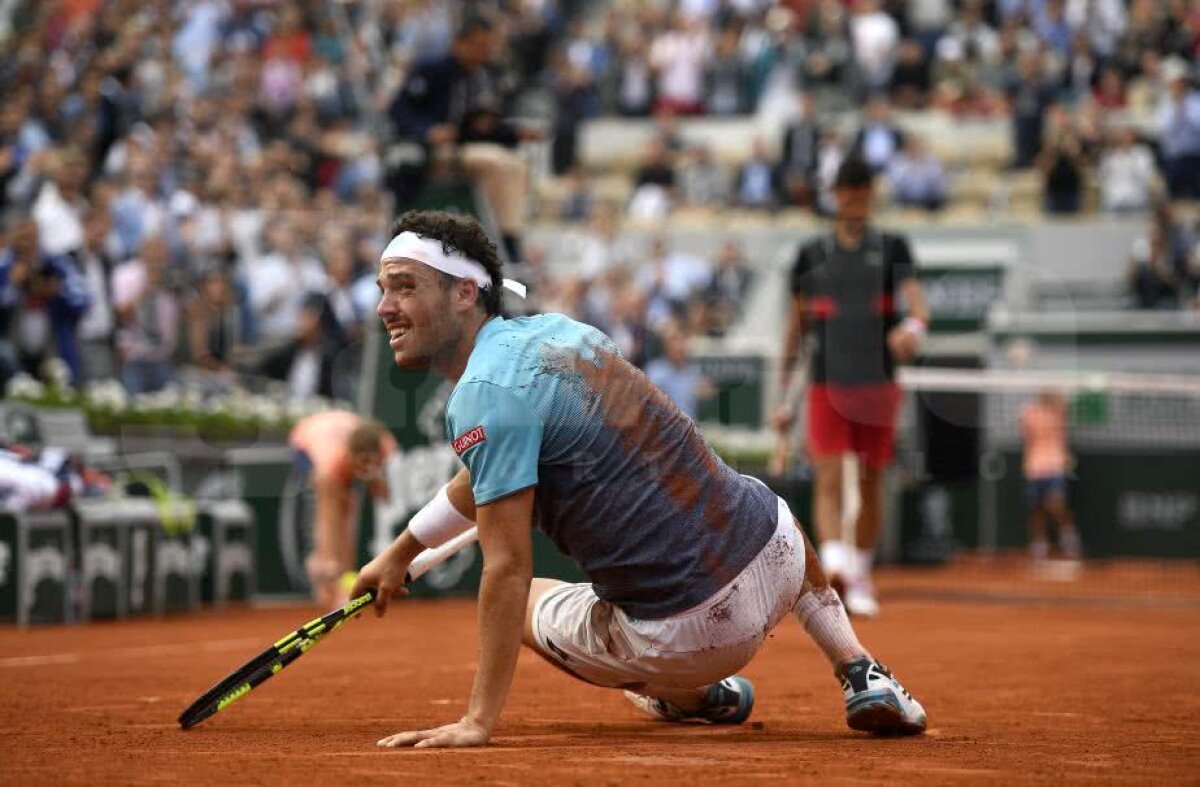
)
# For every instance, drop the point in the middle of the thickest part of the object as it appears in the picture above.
(739, 381)
(278, 504)
(1127, 503)
(959, 297)
(35, 554)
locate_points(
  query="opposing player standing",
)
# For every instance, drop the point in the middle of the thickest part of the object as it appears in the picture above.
(847, 288)
(691, 564)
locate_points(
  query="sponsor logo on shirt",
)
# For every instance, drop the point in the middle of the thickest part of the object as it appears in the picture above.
(467, 439)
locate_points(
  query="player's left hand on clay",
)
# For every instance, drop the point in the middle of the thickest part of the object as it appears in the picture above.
(460, 734)
(903, 344)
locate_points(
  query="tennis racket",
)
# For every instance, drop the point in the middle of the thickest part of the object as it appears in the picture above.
(272, 660)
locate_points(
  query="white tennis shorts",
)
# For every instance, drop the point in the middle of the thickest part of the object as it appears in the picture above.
(597, 642)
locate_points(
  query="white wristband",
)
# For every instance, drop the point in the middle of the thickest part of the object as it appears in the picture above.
(915, 326)
(438, 522)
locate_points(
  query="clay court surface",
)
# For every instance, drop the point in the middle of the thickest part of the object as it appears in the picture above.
(1026, 679)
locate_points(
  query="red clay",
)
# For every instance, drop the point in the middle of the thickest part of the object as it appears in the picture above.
(1016, 692)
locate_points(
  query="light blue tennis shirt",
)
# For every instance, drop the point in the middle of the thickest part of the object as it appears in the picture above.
(626, 487)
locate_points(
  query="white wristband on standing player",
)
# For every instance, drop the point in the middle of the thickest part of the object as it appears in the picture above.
(438, 522)
(916, 326)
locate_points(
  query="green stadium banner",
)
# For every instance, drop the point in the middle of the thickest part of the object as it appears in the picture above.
(139, 581)
(280, 505)
(126, 541)
(35, 560)
(223, 552)
(1126, 503)
(176, 584)
(937, 520)
(1181, 335)
(796, 492)
(959, 297)
(739, 381)
(103, 550)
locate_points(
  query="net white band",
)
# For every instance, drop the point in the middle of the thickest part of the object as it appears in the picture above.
(411, 246)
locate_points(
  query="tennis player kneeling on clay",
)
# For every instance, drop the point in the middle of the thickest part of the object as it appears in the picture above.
(690, 564)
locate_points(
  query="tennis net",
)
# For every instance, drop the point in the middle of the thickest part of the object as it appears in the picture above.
(1133, 478)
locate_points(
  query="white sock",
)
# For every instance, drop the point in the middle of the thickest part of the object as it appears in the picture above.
(824, 618)
(836, 557)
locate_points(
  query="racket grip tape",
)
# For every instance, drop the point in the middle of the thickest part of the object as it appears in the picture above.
(423, 562)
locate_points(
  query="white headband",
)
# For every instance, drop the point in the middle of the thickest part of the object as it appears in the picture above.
(412, 246)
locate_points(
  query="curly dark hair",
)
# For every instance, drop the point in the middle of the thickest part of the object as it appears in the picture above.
(854, 173)
(464, 235)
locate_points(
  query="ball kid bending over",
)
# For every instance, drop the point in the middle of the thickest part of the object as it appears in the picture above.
(334, 450)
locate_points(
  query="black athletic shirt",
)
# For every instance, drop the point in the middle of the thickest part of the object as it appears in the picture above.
(852, 297)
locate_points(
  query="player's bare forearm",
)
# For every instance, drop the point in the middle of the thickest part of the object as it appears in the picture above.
(333, 500)
(506, 539)
(792, 339)
(914, 296)
(904, 340)
(783, 416)
(503, 594)
(332, 555)
(406, 547)
(505, 535)
(385, 574)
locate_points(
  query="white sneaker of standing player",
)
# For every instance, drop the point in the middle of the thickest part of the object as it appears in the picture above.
(728, 702)
(876, 702)
(860, 598)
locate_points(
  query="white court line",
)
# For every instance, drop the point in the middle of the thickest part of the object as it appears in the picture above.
(180, 649)
(37, 661)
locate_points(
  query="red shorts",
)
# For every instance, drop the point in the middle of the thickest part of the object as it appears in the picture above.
(679, 107)
(859, 419)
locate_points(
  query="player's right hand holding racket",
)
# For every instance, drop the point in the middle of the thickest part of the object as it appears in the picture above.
(401, 563)
(387, 573)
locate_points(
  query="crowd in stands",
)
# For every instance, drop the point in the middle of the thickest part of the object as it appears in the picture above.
(198, 191)
(651, 298)
(1164, 263)
(188, 189)
(1101, 90)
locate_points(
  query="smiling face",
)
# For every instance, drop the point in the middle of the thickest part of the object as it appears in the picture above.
(423, 316)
